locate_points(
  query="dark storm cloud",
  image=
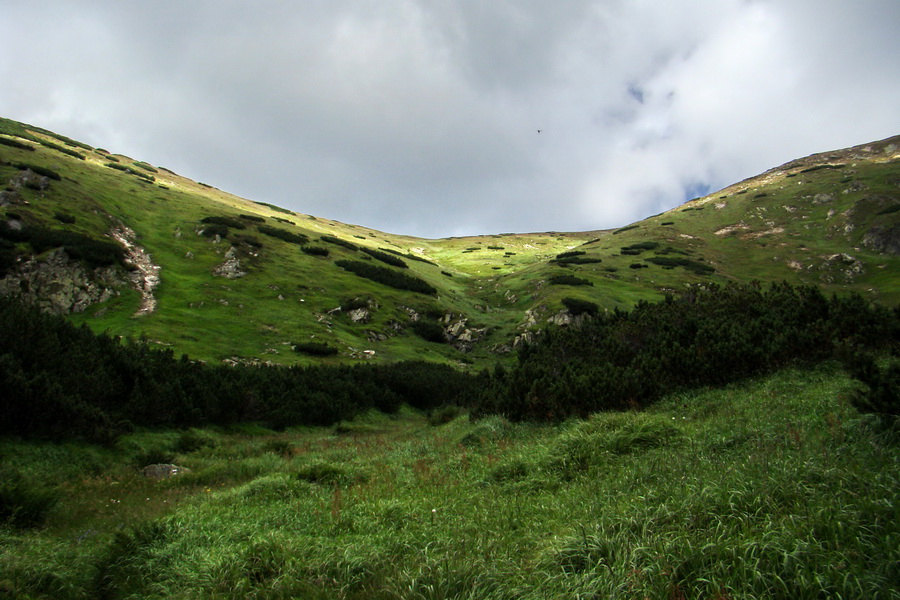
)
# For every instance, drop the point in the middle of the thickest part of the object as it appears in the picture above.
(421, 117)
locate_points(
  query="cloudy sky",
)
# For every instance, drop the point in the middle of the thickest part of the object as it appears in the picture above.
(422, 116)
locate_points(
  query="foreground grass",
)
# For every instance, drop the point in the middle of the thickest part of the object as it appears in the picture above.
(775, 488)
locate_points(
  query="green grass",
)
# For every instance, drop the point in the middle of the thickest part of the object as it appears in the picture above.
(775, 488)
(782, 233)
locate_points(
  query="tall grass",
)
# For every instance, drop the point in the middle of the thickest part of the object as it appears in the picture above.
(776, 488)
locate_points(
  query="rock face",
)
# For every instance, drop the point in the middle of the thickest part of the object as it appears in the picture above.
(59, 284)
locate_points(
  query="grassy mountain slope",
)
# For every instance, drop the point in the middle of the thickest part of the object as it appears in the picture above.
(830, 219)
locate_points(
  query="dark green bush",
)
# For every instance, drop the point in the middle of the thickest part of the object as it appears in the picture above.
(444, 414)
(145, 166)
(39, 170)
(389, 277)
(215, 229)
(222, 220)
(253, 218)
(16, 144)
(385, 258)
(281, 234)
(576, 306)
(708, 336)
(192, 440)
(639, 247)
(24, 503)
(881, 392)
(340, 242)
(315, 250)
(624, 229)
(429, 331)
(355, 303)
(64, 218)
(273, 207)
(315, 349)
(691, 265)
(570, 254)
(62, 149)
(568, 280)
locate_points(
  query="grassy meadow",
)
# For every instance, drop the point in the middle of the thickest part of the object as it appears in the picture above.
(774, 488)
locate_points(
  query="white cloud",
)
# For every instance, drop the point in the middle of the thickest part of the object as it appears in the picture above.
(421, 117)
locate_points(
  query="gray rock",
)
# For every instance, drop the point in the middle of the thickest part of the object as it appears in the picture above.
(161, 471)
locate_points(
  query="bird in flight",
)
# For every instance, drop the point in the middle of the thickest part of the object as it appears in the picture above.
(540, 130)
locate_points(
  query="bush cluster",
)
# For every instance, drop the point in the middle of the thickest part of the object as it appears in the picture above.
(39, 170)
(385, 258)
(430, 331)
(568, 280)
(315, 250)
(388, 277)
(708, 336)
(222, 220)
(95, 253)
(282, 234)
(61, 381)
(16, 144)
(339, 242)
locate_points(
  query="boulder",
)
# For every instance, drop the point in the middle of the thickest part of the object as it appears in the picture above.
(162, 471)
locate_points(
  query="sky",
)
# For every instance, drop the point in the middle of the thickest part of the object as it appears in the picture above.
(439, 118)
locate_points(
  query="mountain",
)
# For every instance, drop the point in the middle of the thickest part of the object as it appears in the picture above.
(137, 250)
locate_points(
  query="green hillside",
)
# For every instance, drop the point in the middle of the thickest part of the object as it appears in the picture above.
(244, 281)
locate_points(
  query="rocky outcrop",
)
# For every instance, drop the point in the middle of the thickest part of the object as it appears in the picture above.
(884, 239)
(57, 284)
(231, 268)
(461, 336)
(144, 275)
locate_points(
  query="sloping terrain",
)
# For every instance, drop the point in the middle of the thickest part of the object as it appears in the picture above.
(148, 253)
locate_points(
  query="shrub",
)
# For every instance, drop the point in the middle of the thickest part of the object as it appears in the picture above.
(62, 149)
(389, 277)
(226, 221)
(623, 229)
(64, 218)
(444, 414)
(24, 503)
(315, 250)
(281, 234)
(315, 349)
(354, 303)
(145, 166)
(338, 241)
(16, 144)
(570, 254)
(385, 258)
(577, 306)
(577, 260)
(691, 265)
(39, 170)
(446, 274)
(192, 440)
(429, 331)
(215, 229)
(881, 394)
(253, 218)
(568, 280)
(273, 207)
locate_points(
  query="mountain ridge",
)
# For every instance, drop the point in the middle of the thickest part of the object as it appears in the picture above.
(244, 281)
